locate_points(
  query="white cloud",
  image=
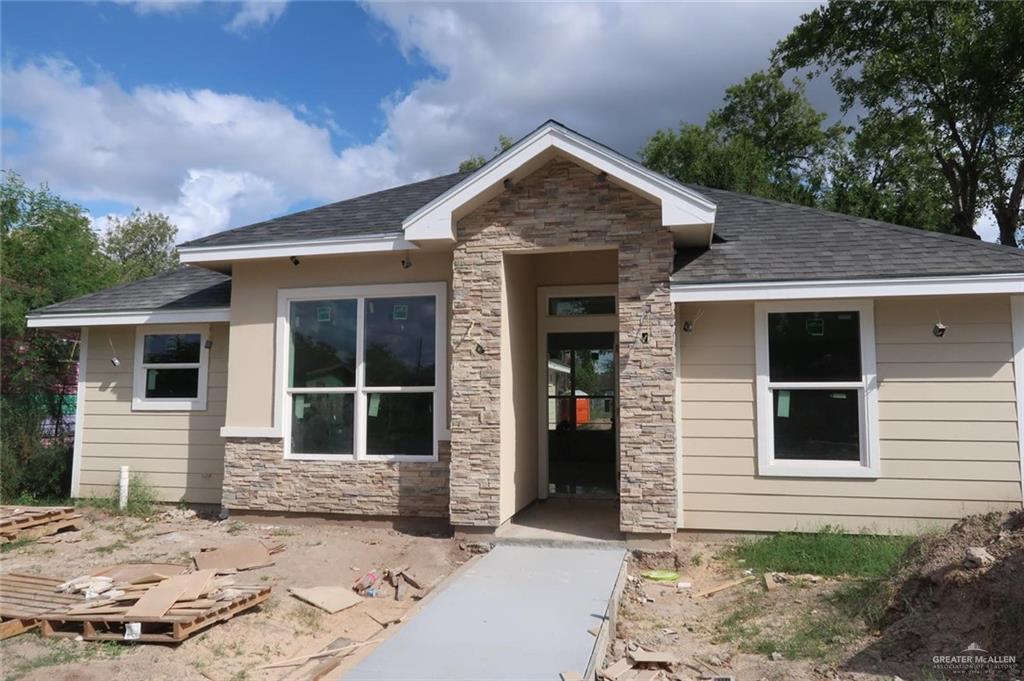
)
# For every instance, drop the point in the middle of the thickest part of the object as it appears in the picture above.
(256, 14)
(251, 14)
(214, 160)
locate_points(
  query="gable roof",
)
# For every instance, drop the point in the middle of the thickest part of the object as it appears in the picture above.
(761, 240)
(377, 214)
(185, 293)
(686, 212)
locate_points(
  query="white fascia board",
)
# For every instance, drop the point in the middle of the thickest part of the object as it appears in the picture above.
(373, 243)
(1017, 317)
(680, 206)
(135, 317)
(848, 288)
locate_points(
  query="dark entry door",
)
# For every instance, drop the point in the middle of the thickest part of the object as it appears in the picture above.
(581, 413)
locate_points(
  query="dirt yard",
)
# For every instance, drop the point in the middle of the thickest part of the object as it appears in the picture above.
(812, 628)
(317, 553)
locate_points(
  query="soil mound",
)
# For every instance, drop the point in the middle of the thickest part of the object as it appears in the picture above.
(950, 595)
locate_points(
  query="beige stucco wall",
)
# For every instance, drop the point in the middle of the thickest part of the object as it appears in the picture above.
(254, 287)
(946, 421)
(180, 453)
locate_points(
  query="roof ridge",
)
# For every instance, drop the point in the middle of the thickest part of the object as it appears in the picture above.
(189, 243)
(871, 222)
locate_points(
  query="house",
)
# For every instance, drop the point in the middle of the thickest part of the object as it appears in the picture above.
(565, 322)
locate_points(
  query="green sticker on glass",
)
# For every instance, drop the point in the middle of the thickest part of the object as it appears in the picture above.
(151, 379)
(300, 406)
(400, 313)
(783, 404)
(374, 406)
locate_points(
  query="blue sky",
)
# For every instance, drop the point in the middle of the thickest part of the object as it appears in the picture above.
(220, 114)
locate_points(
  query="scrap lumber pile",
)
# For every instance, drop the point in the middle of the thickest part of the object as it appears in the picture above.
(19, 523)
(150, 603)
(23, 598)
(639, 665)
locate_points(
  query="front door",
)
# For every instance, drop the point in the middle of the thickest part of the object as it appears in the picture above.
(581, 412)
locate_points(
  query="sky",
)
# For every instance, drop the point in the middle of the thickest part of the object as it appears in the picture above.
(221, 114)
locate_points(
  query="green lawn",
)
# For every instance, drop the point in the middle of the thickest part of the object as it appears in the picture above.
(826, 552)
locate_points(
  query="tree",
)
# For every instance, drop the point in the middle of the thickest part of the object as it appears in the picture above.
(141, 243)
(766, 140)
(957, 68)
(779, 121)
(887, 173)
(477, 161)
(48, 252)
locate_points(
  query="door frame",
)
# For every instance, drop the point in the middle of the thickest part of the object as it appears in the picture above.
(549, 324)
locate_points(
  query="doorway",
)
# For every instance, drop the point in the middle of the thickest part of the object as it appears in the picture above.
(581, 413)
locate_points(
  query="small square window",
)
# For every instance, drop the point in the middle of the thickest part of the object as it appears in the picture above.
(170, 369)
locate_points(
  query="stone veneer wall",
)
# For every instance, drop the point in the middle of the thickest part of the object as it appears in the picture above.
(564, 206)
(257, 477)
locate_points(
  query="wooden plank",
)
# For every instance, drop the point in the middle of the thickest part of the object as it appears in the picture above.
(196, 584)
(158, 600)
(241, 555)
(134, 573)
(330, 598)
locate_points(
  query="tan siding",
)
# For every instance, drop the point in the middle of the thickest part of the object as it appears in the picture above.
(947, 423)
(181, 454)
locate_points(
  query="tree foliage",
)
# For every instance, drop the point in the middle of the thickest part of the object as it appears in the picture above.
(142, 244)
(49, 253)
(955, 68)
(767, 140)
(478, 161)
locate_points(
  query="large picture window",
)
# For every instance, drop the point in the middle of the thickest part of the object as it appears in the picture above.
(817, 408)
(170, 368)
(364, 375)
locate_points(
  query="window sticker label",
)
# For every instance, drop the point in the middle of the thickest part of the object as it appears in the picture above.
(400, 313)
(323, 314)
(814, 327)
(373, 408)
(300, 406)
(783, 404)
(150, 380)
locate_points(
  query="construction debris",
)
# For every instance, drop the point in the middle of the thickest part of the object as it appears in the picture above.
(20, 523)
(128, 603)
(723, 587)
(640, 664)
(331, 599)
(978, 557)
(241, 555)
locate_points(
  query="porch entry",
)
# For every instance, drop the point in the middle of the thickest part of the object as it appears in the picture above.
(581, 409)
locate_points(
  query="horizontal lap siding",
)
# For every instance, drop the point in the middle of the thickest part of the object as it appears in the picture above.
(181, 454)
(946, 420)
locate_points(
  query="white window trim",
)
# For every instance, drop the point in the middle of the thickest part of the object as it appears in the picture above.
(139, 400)
(282, 404)
(869, 465)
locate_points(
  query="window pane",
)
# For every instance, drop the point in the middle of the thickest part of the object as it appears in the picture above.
(814, 346)
(595, 372)
(323, 343)
(400, 341)
(172, 383)
(171, 348)
(400, 423)
(322, 423)
(822, 425)
(560, 372)
(560, 413)
(595, 413)
(581, 305)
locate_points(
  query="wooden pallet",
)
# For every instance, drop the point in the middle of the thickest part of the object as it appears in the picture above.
(175, 626)
(31, 522)
(23, 598)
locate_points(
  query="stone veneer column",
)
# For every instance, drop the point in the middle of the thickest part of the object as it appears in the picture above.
(563, 206)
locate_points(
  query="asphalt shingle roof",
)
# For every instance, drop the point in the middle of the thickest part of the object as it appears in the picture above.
(763, 240)
(378, 213)
(183, 288)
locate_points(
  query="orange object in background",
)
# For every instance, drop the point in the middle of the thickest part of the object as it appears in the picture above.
(582, 411)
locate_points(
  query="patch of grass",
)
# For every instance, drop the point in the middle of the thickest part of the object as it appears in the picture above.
(110, 548)
(827, 552)
(59, 652)
(236, 528)
(142, 499)
(15, 545)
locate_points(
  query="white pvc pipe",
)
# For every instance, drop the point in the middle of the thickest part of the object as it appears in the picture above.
(122, 501)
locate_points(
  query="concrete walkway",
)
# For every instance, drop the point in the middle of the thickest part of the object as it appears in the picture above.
(521, 612)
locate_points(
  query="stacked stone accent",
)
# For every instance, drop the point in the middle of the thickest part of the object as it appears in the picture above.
(563, 206)
(257, 477)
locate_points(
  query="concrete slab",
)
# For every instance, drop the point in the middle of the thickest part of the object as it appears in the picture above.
(561, 520)
(521, 613)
